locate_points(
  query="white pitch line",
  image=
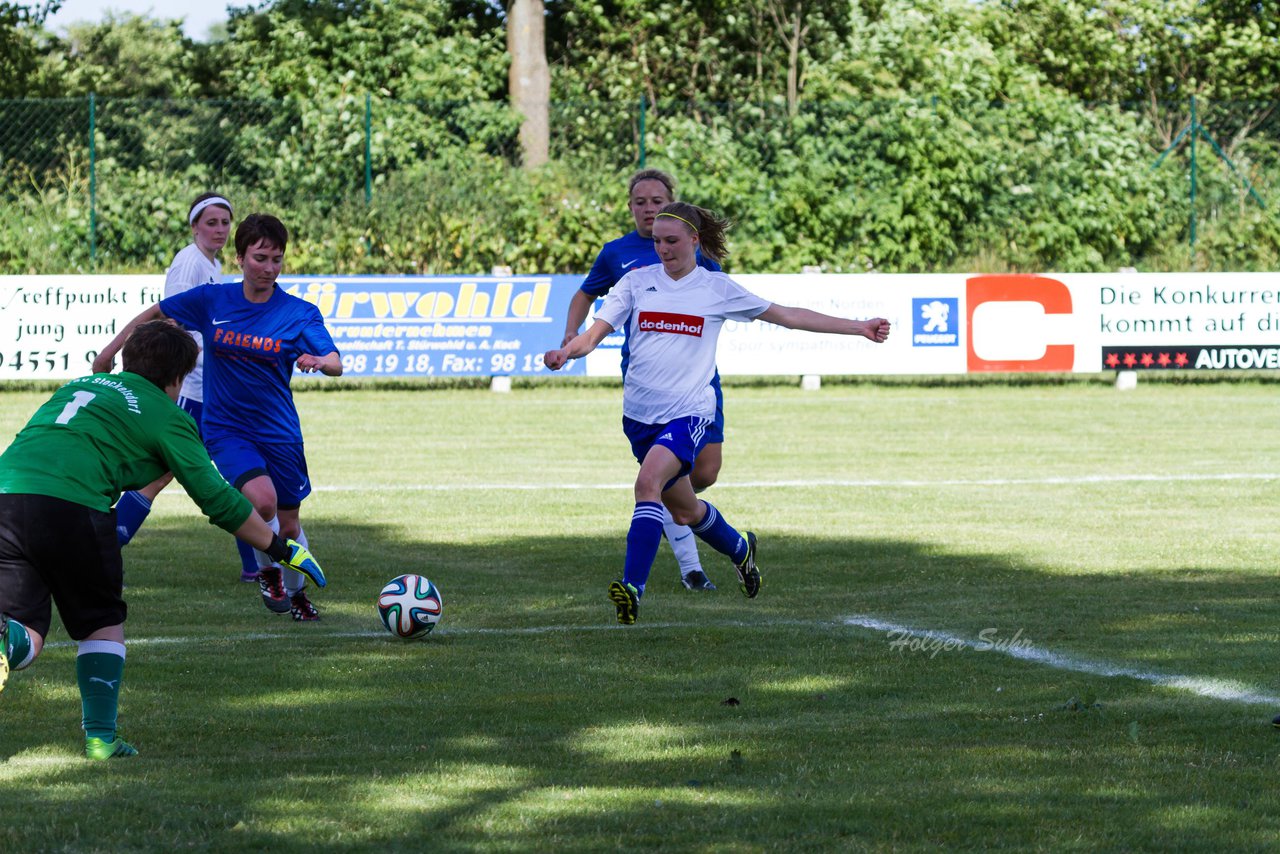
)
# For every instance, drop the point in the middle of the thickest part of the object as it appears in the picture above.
(1213, 688)
(764, 484)
(462, 631)
(1216, 689)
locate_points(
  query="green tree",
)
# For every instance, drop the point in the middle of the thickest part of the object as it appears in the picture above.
(21, 46)
(1157, 53)
(125, 55)
(438, 83)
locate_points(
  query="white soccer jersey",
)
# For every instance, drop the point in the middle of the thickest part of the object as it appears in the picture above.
(673, 329)
(190, 268)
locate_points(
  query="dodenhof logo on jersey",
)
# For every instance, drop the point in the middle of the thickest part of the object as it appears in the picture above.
(675, 324)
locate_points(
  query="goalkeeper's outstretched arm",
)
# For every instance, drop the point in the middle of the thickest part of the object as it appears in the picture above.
(287, 553)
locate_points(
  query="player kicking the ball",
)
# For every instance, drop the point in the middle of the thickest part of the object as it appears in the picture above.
(674, 314)
(95, 437)
(255, 334)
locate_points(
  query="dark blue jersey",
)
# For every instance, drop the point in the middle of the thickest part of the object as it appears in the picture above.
(621, 256)
(249, 353)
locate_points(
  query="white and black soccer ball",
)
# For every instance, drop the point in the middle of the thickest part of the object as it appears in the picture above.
(410, 606)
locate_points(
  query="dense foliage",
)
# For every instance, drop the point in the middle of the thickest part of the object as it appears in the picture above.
(893, 135)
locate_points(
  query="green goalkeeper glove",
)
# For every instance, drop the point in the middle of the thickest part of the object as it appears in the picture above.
(294, 555)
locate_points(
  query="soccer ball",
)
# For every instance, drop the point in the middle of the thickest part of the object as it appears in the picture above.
(410, 606)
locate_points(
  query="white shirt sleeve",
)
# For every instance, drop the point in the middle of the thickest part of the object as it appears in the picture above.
(740, 303)
(617, 305)
(189, 269)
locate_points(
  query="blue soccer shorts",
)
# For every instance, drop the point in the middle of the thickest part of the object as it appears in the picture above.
(240, 460)
(715, 430)
(684, 437)
(195, 409)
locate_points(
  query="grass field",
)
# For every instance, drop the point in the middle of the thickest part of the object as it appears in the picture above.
(1097, 569)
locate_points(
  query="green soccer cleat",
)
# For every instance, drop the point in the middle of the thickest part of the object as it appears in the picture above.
(96, 748)
(627, 600)
(4, 658)
(748, 572)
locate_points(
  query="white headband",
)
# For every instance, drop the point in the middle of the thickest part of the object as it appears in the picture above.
(204, 203)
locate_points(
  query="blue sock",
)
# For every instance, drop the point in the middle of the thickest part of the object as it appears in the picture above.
(642, 543)
(720, 535)
(248, 560)
(131, 512)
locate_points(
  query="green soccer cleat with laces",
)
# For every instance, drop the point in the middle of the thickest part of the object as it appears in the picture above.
(627, 600)
(96, 748)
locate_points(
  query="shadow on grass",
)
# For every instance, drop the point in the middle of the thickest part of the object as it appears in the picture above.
(530, 721)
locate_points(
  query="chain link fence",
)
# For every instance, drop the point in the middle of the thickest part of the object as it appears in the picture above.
(375, 185)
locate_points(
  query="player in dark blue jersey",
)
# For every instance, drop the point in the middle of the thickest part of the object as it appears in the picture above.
(647, 192)
(254, 335)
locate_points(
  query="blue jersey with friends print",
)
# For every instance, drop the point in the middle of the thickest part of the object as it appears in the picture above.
(249, 354)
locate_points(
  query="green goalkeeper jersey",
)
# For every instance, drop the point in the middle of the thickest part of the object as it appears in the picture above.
(105, 433)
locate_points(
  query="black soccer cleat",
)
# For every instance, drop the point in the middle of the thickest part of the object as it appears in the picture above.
(271, 585)
(697, 580)
(748, 572)
(302, 609)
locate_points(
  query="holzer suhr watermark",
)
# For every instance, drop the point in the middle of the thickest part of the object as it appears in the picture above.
(905, 640)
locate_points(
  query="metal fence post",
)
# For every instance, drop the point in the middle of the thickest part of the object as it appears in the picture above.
(1195, 131)
(93, 183)
(643, 105)
(368, 148)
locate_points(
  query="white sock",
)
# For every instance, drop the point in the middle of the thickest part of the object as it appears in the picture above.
(264, 559)
(683, 543)
(294, 580)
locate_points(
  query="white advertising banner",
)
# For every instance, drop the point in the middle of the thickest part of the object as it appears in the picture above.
(52, 326)
(1173, 321)
(765, 349)
(933, 345)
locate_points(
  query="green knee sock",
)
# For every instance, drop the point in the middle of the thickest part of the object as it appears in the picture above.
(17, 645)
(99, 669)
